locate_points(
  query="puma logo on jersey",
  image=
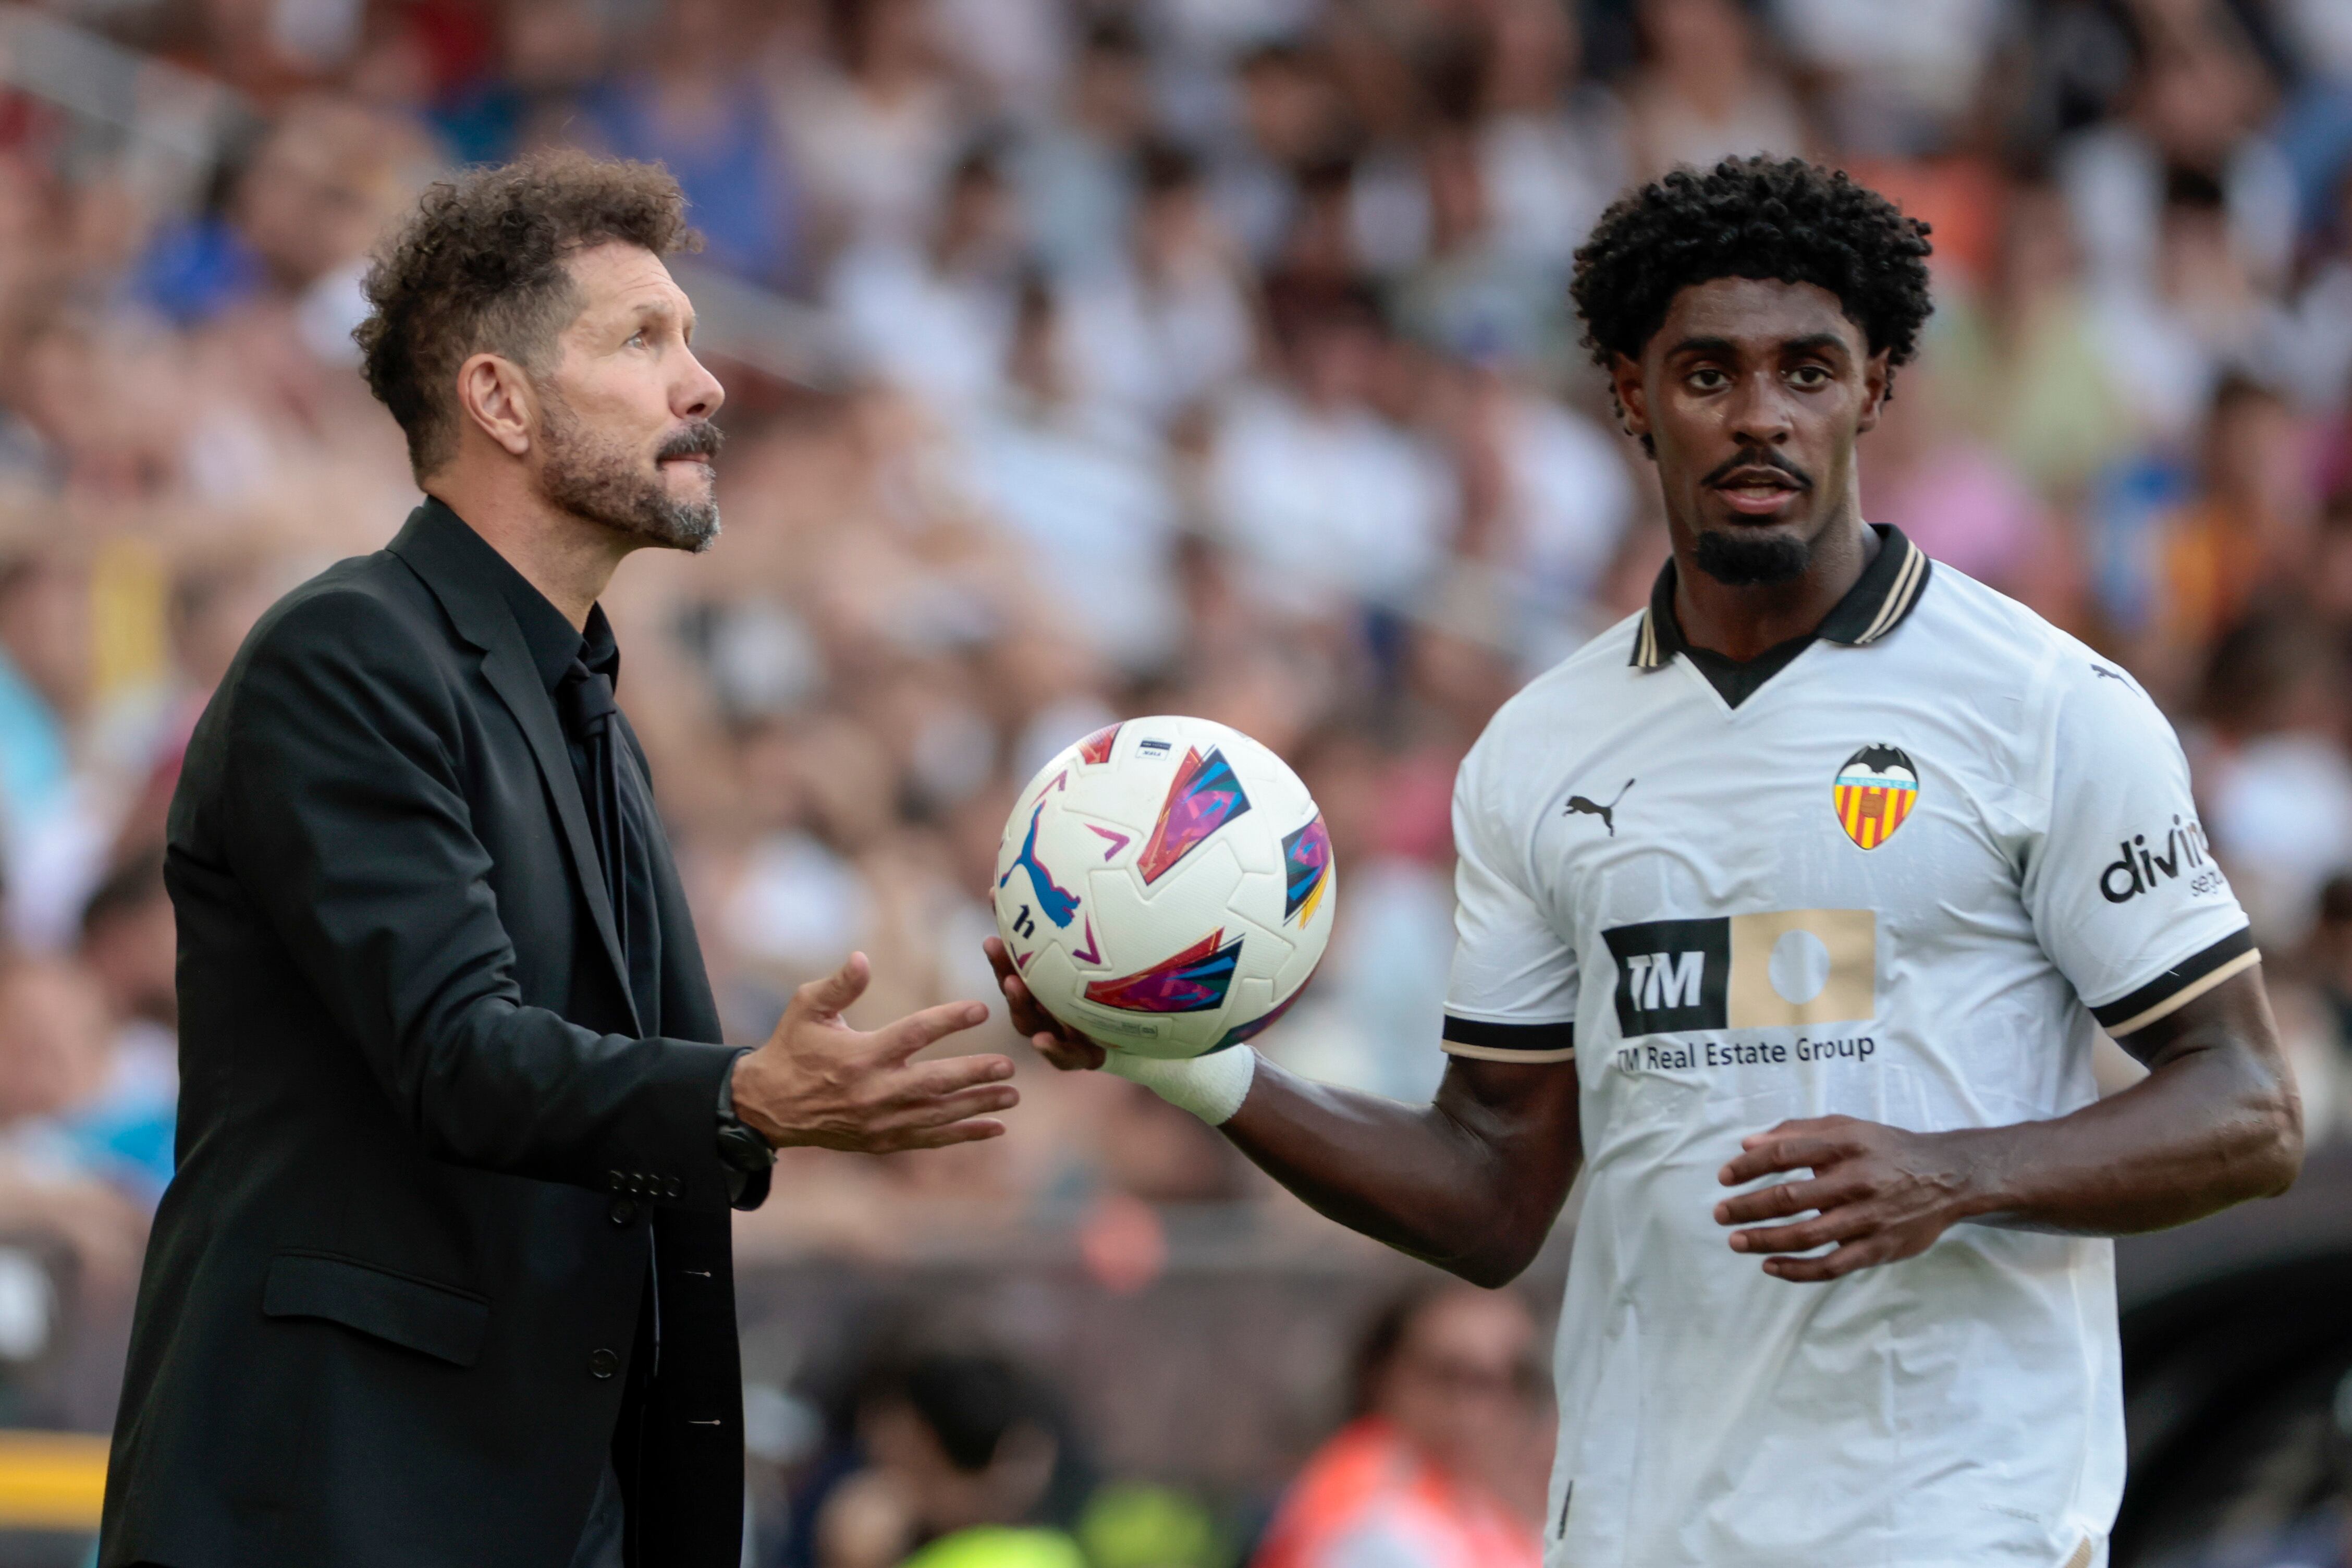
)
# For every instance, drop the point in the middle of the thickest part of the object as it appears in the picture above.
(1582, 806)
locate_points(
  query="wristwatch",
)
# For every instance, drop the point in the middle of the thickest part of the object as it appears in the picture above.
(741, 1148)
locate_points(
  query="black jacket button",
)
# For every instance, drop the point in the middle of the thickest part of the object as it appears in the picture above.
(673, 1188)
(623, 1210)
(603, 1363)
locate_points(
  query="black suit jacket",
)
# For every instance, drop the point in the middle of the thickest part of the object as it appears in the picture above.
(391, 1306)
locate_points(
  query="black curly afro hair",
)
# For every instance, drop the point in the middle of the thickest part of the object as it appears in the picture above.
(1781, 218)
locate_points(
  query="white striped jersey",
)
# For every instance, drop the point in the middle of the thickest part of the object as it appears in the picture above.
(1895, 871)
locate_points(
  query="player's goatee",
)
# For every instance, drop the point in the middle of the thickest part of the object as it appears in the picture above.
(1738, 560)
(601, 480)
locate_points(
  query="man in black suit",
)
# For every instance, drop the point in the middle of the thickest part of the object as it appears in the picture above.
(445, 1278)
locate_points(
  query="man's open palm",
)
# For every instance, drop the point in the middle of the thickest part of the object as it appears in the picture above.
(818, 1081)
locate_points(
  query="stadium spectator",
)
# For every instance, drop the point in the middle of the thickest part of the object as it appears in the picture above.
(696, 109)
(1167, 321)
(1074, 171)
(2276, 781)
(1292, 121)
(2245, 535)
(2199, 90)
(1086, 486)
(50, 837)
(1894, 79)
(1473, 293)
(937, 321)
(1322, 497)
(53, 1183)
(128, 949)
(1954, 496)
(969, 1465)
(1550, 143)
(547, 52)
(872, 122)
(1442, 1465)
(2024, 366)
(1702, 93)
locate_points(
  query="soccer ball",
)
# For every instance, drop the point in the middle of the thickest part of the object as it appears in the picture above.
(1165, 886)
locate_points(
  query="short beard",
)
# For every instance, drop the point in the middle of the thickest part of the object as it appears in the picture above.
(601, 479)
(1737, 560)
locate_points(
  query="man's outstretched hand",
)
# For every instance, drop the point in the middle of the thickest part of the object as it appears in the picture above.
(1064, 1048)
(818, 1081)
(1878, 1195)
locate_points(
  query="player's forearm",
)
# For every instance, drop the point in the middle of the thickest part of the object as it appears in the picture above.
(2215, 1122)
(2208, 1128)
(1439, 1182)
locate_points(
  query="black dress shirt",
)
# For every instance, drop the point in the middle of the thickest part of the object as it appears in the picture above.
(619, 799)
(582, 671)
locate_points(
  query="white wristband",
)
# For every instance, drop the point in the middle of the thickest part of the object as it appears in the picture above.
(1212, 1087)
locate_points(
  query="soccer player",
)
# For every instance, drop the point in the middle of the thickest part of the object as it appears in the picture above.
(1790, 908)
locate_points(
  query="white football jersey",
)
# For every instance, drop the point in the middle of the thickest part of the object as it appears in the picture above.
(1898, 879)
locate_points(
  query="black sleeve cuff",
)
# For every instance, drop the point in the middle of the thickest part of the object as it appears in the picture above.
(2181, 983)
(727, 1085)
(1484, 1041)
(745, 1156)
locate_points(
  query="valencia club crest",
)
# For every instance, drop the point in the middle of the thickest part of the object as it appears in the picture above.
(1874, 793)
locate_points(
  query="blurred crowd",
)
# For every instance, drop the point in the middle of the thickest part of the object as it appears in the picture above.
(1093, 358)
(940, 1454)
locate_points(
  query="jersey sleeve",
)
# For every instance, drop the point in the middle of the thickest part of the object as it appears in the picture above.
(2121, 885)
(1512, 997)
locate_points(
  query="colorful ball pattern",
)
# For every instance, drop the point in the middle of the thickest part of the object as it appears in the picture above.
(1165, 886)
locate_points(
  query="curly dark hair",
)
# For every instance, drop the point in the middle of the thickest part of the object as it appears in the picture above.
(480, 267)
(1781, 218)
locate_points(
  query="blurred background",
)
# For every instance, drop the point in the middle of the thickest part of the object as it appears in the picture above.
(1095, 358)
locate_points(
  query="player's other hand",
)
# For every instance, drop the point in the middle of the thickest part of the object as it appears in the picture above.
(1876, 1194)
(1064, 1048)
(818, 1081)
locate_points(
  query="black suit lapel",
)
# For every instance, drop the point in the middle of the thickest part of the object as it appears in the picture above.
(483, 620)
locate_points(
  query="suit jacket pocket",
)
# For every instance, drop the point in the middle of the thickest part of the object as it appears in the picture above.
(441, 1322)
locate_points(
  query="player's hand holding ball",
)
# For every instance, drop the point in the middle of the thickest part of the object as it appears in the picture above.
(1064, 1048)
(1164, 891)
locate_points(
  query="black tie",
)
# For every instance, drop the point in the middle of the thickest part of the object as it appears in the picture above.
(585, 700)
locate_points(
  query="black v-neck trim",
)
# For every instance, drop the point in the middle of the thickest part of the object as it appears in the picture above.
(1736, 681)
